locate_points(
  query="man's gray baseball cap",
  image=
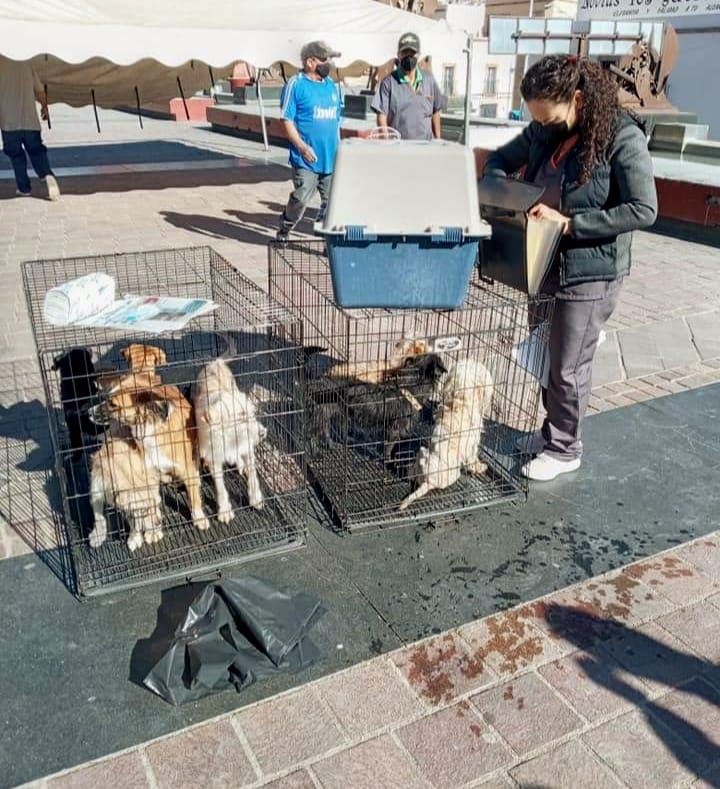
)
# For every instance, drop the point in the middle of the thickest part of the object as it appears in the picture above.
(409, 41)
(318, 49)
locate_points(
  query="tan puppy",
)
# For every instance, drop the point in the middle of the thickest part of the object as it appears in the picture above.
(161, 422)
(121, 477)
(141, 358)
(455, 441)
(375, 372)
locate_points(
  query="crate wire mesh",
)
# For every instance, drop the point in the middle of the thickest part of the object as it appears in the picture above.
(369, 430)
(142, 461)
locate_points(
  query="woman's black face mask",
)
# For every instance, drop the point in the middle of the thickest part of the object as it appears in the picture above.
(322, 70)
(554, 133)
(408, 63)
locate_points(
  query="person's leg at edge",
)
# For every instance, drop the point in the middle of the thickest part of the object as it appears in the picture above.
(37, 152)
(13, 149)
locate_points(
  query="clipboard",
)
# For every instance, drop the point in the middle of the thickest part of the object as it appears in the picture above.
(521, 249)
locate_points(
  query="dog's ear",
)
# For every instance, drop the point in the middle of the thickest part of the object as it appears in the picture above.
(125, 352)
(439, 367)
(158, 354)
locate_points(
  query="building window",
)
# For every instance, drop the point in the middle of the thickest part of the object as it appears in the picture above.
(448, 80)
(491, 81)
(488, 110)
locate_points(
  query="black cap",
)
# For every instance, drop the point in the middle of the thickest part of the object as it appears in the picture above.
(318, 49)
(409, 41)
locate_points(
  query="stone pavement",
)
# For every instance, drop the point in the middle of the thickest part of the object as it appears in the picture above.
(540, 696)
(607, 684)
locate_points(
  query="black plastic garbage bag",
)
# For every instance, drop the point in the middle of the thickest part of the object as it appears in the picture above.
(236, 632)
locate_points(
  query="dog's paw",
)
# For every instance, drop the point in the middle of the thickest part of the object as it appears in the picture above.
(97, 537)
(153, 535)
(225, 514)
(257, 504)
(477, 468)
(201, 522)
(135, 540)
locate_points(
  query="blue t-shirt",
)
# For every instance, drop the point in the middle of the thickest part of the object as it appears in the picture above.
(316, 110)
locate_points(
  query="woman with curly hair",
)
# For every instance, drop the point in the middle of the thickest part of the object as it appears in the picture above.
(592, 158)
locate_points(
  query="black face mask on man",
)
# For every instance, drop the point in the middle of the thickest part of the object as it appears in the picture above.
(408, 63)
(322, 70)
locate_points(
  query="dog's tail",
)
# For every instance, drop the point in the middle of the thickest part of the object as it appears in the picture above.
(415, 495)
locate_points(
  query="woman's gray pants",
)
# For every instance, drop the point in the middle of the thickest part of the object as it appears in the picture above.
(580, 313)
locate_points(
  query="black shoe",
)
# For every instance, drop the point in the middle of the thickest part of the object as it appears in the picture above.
(282, 236)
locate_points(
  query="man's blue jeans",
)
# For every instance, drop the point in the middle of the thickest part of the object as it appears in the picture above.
(15, 144)
(305, 182)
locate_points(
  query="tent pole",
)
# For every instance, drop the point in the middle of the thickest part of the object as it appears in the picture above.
(212, 85)
(262, 110)
(468, 89)
(97, 120)
(182, 96)
(48, 106)
(137, 102)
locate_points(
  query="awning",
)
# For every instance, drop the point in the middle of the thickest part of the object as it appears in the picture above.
(114, 47)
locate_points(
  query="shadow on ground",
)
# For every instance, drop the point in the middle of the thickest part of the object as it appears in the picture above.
(610, 648)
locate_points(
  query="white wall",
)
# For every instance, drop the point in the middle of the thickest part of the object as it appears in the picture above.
(471, 18)
(693, 85)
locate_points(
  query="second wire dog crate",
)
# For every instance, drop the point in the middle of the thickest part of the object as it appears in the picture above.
(375, 383)
(82, 368)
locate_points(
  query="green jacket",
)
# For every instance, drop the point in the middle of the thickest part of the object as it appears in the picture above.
(619, 197)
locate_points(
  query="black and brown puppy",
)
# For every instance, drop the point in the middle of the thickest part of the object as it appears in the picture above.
(367, 412)
(78, 389)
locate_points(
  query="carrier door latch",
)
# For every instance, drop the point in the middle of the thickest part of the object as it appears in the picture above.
(447, 235)
(359, 233)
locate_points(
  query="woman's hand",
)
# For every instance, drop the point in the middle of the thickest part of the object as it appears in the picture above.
(542, 211)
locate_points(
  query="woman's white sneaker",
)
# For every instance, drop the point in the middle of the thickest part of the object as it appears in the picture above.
(543, 468)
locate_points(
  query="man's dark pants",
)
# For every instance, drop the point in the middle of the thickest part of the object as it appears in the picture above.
(15, 146)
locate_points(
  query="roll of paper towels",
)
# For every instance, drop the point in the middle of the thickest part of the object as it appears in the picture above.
(80, 298)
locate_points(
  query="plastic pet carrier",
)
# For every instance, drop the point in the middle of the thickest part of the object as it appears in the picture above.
(403, 224)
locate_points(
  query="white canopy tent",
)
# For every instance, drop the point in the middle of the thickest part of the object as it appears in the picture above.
(119, 52)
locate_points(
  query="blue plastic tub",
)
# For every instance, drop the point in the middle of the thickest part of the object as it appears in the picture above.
(401, 273)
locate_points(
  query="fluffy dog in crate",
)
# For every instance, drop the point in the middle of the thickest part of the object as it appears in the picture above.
(160, 420)
(391, 408)
(78, 389)
(467, 393)
(228, 431)
(121, 476)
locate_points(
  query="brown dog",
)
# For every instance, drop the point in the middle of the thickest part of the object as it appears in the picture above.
(376, 372)
(143, 358)
(121, 477)
(160, 419)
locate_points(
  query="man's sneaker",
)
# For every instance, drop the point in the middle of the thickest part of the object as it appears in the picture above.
(531, 444)
(18, 193)
(282, 236)
(543, 468)
(53, 190)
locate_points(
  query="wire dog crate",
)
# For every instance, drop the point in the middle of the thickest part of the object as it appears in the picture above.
(401, 400)
(142, 425)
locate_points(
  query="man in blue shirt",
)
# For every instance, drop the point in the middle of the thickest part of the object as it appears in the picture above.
(311, 109)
